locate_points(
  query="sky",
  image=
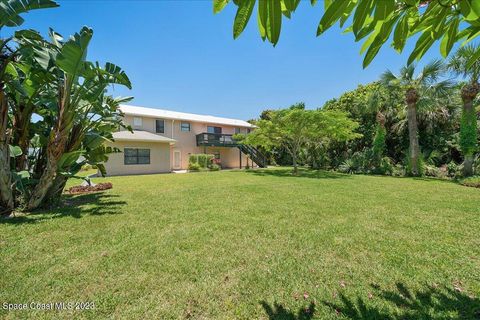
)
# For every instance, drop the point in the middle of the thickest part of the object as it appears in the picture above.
(180, 56)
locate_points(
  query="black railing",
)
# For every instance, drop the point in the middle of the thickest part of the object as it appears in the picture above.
(226, 140)
(216, 140)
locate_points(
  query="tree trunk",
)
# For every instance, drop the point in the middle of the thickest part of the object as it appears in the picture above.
(55, 150)
(6, 193)
(55, 191)
(412, 99)
(469, 93)
(20, 137)
(295, 165)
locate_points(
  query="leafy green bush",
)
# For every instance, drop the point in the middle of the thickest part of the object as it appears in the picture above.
(471, 182)
(348, 166)
(204, 161)
(193, 166)
(214, 167)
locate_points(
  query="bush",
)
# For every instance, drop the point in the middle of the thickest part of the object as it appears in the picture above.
(204, 161)
(471, 182)
(194, 167)
(214, 167)
(348, 166)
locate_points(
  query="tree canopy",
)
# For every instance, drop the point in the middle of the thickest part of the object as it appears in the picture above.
(375, 22)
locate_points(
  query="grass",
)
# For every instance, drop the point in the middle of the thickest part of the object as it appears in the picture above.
(258, 244)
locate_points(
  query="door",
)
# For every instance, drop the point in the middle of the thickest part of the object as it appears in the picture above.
(177, 160)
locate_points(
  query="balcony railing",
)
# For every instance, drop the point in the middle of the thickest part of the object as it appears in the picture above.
(216, 140)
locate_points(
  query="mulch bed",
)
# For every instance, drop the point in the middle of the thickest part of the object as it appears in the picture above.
(87, 189)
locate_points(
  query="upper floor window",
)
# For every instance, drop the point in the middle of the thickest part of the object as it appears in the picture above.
(137, 121)
(214, 129)
(160, 126)
(136, 156)
(248, 130)
(185, 126)
(237, 130)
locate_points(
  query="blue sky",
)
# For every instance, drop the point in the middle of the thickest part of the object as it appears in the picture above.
(180, 56)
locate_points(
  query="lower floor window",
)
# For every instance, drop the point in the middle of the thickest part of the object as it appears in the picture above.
(136, 156)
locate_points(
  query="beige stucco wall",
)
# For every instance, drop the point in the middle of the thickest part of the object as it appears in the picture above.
(186, 142)
(159, 159)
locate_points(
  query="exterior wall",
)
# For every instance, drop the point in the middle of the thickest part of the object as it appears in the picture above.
(159, 159)
(187, 143)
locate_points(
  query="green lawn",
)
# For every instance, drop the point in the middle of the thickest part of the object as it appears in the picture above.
(259, 244)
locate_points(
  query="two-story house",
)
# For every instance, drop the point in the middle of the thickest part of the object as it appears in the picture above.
(163, 140)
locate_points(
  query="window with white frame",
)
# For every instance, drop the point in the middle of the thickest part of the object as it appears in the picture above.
(136, 156)
(137, 121)
(185, 126)
(237, 130)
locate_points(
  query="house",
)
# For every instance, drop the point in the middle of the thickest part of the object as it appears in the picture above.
(163, 140)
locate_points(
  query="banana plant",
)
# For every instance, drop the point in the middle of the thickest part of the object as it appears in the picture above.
(10, 12)
(80, 85)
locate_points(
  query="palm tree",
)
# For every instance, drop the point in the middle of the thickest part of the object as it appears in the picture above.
(421, 90)
(460, 65)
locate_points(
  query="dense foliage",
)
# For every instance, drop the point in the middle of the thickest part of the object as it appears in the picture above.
(296, 128)
(55, 113)
(447, 21)
(382, 145)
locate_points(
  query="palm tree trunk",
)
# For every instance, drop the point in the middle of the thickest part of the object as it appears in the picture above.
(469, 120)
(411, 98)
(6, 193)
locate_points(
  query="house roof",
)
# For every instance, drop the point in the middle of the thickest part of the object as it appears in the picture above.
(138, 135)
(167, 114)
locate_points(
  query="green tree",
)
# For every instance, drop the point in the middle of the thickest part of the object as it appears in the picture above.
(420, 90)
(447, 21)
(78, 104)
(460, 65)
(10, 12)
(295, 127)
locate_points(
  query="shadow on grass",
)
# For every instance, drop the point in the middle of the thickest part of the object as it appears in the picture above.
(75, 206)
(302, 173)
(278, 312)
(428, 303)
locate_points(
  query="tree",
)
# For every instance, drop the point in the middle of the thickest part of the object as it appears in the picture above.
(10, 12)
(420, 90)
(448, 21)
(295, 127)
(460, 65)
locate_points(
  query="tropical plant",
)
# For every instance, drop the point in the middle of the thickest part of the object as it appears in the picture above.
(460, 65)
(447, 21)
(295, 127)
(422, 90)
(10, 12)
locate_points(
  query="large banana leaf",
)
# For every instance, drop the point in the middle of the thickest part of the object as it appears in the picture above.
(10, 10)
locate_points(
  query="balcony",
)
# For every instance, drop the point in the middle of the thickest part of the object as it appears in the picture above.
(215, 140)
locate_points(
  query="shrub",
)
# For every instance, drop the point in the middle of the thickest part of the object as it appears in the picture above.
(194, 166)
(203, 161)
(452, 169)
(471, 182)
(348, 166)
(214, 167)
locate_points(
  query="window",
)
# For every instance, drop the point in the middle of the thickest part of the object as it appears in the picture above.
(185, 126)
(136, 156)
(160, 126)
(237, 130)
(248, 130)
(214, 129)
(137, 122)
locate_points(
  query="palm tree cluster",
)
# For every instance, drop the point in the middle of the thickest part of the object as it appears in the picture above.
(410, 121)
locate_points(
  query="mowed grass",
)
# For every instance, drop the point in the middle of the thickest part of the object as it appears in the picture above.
(251, 245)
